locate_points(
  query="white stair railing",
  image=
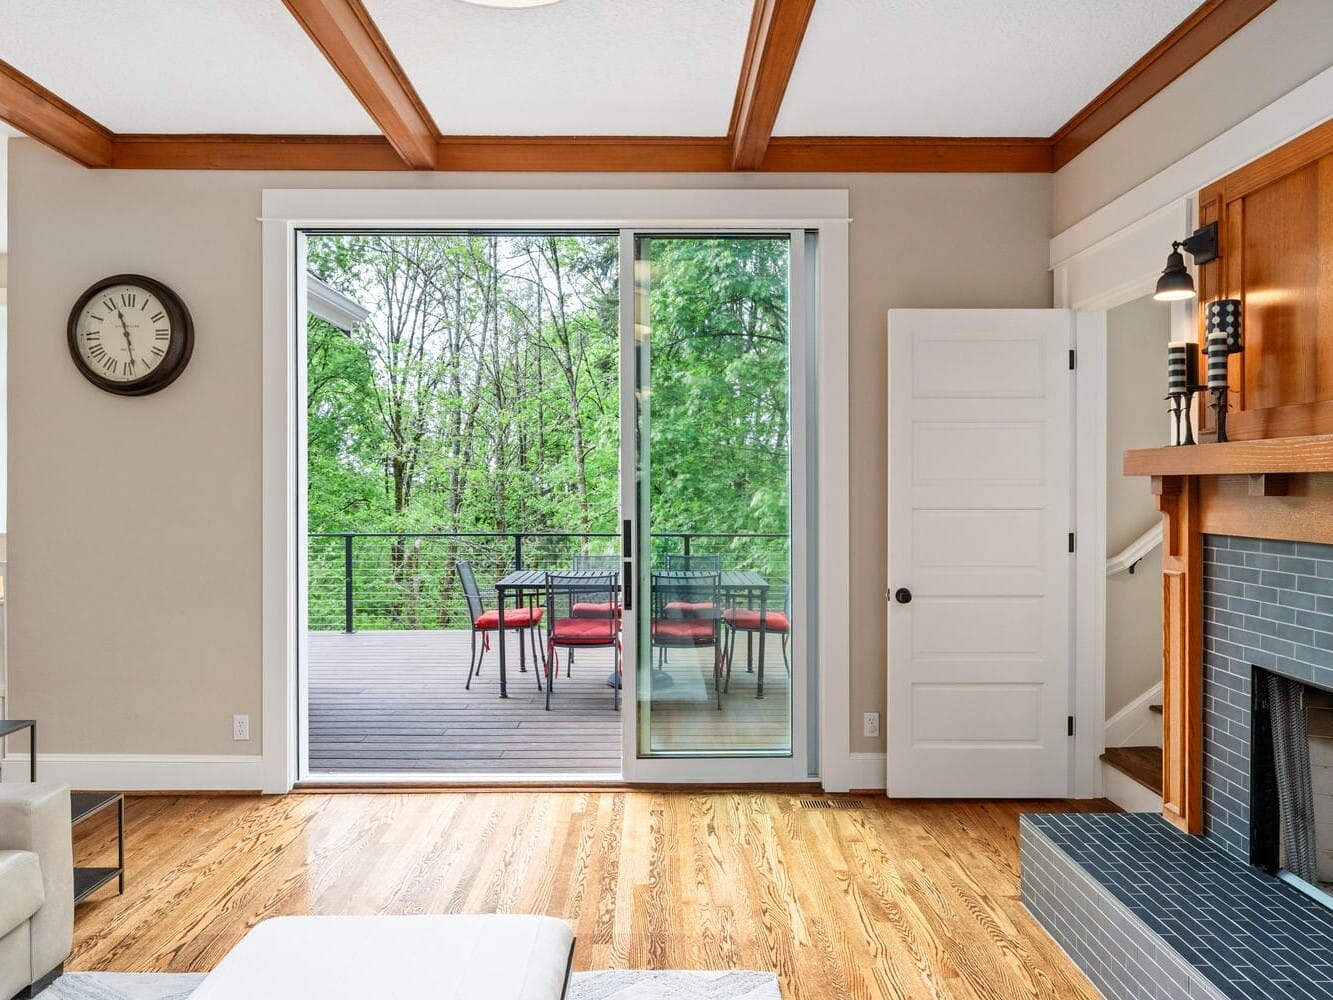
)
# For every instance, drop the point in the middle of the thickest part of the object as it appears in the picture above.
(1129, 557)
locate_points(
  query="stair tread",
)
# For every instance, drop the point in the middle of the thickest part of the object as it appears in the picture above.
(1156, 709)
(1143, 764)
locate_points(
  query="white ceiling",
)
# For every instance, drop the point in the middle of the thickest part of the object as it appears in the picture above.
(180, 65)
(588, 67)
(964, 67)
(579, 67)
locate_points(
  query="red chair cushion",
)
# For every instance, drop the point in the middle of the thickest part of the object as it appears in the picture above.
(689, 609)
(588, 609)
(697, 631)
(584, 632)
(774, 621)
(489, 621)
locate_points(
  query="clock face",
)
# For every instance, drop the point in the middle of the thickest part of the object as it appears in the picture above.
(123, 333)
(130, 335)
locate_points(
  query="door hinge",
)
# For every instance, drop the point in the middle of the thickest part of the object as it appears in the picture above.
(1071, 541)
(1071, 359)
(1071, 725)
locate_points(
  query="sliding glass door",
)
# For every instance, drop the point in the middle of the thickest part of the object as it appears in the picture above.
(709, 380)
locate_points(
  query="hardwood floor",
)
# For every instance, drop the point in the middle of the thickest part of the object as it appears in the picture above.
(902, 899)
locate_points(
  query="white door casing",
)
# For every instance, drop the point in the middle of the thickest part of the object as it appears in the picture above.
(980, 466)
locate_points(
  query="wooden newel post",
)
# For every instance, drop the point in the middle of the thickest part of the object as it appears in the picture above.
(1182, 651)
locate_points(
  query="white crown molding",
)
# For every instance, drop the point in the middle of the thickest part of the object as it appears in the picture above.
(140, 772)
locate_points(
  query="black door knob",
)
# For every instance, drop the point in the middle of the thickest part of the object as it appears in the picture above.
(902, 595)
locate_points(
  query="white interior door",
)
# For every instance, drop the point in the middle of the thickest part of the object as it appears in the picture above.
(980, 570)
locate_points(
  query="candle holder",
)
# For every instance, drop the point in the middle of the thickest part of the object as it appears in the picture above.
(1174, 400)
(1219, 406)
(1181, 405)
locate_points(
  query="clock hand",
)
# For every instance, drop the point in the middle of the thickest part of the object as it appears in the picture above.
(129, 344)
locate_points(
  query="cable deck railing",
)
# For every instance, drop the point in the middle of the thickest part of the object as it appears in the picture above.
(408, 580)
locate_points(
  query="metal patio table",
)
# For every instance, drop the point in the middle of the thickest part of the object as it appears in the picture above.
(524, 585)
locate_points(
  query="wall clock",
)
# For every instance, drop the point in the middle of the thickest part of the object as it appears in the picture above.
(130, 335)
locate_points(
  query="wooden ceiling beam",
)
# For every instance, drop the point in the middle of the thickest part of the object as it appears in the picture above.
(924, 154)
(602, 153)
(35, 111)
(776, 31)
(255, 152)
(345, 33)
(1211, 24)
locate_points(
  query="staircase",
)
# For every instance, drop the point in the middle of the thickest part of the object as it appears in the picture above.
(1133, 775)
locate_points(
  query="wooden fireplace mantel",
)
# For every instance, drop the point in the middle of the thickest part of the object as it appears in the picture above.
(1244, 458)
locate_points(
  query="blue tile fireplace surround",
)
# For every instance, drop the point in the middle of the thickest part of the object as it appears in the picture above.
(1149, 912)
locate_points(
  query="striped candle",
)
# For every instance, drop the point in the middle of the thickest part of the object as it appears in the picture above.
(1177, 367)
(1217, 360)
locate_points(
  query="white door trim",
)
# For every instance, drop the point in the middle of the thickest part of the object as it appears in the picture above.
(286, 211)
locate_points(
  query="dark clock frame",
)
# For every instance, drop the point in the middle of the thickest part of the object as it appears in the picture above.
(179, 349)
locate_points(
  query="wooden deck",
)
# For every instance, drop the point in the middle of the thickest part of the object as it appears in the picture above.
(393, 702)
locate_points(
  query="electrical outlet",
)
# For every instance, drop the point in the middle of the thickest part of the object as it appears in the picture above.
(871, 724)
(240, 727)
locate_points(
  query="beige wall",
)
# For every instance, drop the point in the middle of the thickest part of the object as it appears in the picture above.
(1137, 335)
(1280, 49)
(135, 524)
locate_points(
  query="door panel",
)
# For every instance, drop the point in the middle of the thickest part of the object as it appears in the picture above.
(980, 457)
(710, 443)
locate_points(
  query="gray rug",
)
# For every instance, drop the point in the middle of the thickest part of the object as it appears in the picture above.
(612, 985)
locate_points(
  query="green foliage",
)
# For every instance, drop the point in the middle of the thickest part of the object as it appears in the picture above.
(482, 396)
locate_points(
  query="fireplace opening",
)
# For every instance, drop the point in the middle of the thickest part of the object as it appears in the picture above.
(1291, 782)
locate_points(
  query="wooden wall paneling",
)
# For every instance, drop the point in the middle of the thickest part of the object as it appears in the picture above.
(1182, 652)
(1323, 264)
(1209, 282)
(1276, 245)
(1279, 276)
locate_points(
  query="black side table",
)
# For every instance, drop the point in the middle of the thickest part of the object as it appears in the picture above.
(8, 727)
(82, 806)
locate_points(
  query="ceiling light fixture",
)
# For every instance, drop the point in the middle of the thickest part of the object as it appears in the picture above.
(1175, 283)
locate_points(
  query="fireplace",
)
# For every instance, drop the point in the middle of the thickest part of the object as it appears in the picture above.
(1291, 782)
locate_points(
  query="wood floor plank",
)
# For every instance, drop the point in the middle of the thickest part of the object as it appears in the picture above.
(894, 899)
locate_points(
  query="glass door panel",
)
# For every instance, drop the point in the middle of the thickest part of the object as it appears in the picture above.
(713, 494)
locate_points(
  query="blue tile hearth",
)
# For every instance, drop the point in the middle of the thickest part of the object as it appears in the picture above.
(1149, 912)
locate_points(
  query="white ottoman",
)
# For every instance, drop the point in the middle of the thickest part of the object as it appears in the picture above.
(488, 957)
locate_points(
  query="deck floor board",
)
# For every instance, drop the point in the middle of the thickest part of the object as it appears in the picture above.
(384, 702)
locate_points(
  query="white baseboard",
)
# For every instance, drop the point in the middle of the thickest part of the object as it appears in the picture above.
(1127, 793)
(1135, 725)
(867, 771)
(141, 772)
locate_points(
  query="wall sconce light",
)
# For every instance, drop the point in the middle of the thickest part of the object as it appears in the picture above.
(1175, 283)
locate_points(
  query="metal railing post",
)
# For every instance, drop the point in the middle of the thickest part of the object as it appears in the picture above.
(686, 541)
(518, 552)
(349, 610)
